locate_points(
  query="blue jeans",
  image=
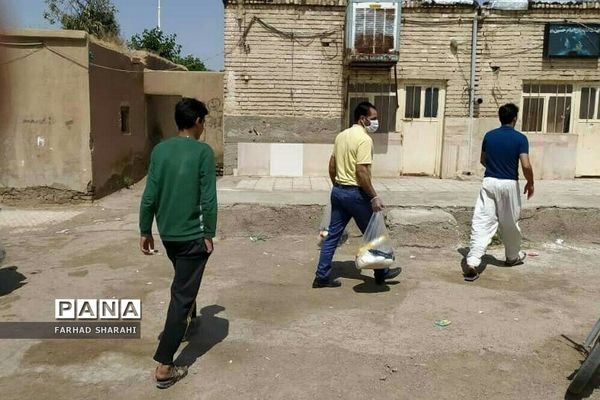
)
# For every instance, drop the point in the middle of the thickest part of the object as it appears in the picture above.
(346, 203)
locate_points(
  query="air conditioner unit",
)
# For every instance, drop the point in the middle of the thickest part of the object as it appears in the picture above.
(373, 31)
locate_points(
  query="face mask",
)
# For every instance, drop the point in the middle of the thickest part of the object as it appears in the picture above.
(373, 127)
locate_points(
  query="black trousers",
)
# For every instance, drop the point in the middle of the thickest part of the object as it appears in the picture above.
(189, 260)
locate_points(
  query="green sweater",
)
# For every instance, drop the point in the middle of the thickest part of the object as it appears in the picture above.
(181, 190)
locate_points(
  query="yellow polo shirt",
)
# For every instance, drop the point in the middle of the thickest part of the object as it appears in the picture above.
(352, 146)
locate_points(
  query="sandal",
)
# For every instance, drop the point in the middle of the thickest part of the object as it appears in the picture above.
(471, 276)
(518, 261)
(178, 374)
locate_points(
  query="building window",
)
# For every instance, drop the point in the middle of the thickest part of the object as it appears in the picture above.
(413, 102)
(124, 120)
(547, 108)
(589, 106)
(382, 96)
(415, 108)
(431, 102)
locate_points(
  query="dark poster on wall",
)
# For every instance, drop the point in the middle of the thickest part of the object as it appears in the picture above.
(572, 40)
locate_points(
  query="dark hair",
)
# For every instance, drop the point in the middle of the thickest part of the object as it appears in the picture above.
(363, 110)
(187, 111)
(508, 113)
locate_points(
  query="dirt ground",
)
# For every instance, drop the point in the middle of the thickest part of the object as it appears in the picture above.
(266, 334)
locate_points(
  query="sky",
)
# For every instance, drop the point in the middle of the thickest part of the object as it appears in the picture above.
(197, 23)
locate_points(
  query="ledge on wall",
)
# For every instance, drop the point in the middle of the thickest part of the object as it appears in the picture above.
(148, 59)
(329, 3)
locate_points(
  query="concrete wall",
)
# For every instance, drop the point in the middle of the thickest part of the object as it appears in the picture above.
(304, 159)
(3, 77)
(160, 123)
(60, 126)
(44, 130)
(116, 80)
(204, 86)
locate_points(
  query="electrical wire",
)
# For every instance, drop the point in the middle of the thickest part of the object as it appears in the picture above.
(16, 44)
(296, 37)
(21, 57)
(58, 53)
(515, 53)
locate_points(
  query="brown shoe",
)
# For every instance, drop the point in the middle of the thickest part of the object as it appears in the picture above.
(177, 374)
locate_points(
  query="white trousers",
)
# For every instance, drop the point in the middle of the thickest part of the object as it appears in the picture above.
(499, 204)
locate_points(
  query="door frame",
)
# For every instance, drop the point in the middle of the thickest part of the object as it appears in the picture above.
(400, 116)
(577, 89)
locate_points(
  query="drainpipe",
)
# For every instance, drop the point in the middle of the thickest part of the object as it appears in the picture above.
(472, 83)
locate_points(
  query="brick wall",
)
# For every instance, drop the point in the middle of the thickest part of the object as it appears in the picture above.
(426, 52)
(271, 75)
(513, 41)
(277, 90)
(286, 78)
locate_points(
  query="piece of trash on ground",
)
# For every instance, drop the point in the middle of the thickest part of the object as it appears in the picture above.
(480, 312)
(63, 231)
(258, 238)
(148, 283)
(443, 322)
(533, 254)
(412, 257)
(560, 241)
(382, 378)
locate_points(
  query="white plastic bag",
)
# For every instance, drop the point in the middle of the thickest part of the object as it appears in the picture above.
(324, 227)
(376, 251)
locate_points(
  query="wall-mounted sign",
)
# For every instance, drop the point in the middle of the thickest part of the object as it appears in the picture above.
(572, 40)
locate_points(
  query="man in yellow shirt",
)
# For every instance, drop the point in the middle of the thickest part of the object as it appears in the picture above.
(353, 195)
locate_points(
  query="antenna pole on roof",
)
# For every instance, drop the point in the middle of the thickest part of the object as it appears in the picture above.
(159, 14)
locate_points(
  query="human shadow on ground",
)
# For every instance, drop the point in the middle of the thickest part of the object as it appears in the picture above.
(209, 331)
(593, 384)
(348, 270)
(10, 280)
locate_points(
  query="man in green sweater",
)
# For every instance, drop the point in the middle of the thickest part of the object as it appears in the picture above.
(181, 192)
